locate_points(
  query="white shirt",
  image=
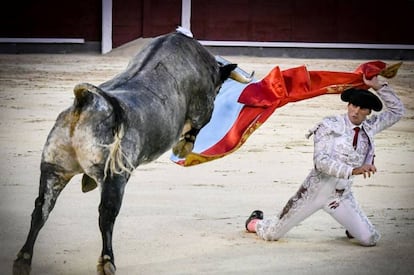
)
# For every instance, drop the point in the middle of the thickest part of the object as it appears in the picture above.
(334, 154)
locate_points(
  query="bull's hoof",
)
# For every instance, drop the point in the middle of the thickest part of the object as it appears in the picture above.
(105, 266)
(21, 266)
(183, 148)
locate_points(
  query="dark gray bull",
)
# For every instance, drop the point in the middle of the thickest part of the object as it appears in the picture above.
(127, 121)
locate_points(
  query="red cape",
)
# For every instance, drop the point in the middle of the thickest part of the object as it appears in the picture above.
(260, 99)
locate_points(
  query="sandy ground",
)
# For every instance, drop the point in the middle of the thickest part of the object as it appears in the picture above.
(177, 220)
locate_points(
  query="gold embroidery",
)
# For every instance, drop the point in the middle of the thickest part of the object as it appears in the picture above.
(335, 89)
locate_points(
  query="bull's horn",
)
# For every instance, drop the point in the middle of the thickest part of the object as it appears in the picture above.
(241, 77)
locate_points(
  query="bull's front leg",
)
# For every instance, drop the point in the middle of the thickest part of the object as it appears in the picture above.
(52, 182)
(185, 145)
(111, 200)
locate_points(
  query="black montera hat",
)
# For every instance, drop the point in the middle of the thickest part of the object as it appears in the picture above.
(362, 98)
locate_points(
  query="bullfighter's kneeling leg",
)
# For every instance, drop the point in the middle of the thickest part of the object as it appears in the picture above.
(350, 215)
(52, 181)
(111, 200)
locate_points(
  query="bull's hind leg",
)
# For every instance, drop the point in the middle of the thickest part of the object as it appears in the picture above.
(111, 200)
(52, 182)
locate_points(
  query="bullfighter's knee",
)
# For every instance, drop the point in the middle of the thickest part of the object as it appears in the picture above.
(369, 238)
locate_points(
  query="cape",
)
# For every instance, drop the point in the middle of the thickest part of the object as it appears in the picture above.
(240, 109)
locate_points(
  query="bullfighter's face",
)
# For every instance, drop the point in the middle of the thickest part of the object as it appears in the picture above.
(357, 114)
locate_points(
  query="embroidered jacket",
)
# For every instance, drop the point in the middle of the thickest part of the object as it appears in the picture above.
(334, 154)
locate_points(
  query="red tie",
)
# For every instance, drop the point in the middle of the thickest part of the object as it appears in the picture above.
(355, 141)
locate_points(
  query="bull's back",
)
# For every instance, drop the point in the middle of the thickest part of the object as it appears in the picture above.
(173, 58)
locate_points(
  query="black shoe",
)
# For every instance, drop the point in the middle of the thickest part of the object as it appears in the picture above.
(256, 214)
(348, 235)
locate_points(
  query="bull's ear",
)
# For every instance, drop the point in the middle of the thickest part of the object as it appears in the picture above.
(226, 70)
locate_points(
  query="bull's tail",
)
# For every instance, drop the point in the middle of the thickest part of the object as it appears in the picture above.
(116, 162)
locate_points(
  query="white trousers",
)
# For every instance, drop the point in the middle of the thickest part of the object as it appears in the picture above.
(319, 191)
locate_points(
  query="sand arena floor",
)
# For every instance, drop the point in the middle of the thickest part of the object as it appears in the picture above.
(177, 220)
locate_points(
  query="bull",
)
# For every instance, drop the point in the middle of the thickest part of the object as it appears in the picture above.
(163, 97)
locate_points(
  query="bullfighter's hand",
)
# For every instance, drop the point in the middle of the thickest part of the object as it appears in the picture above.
(375, 82)
(366, 170)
